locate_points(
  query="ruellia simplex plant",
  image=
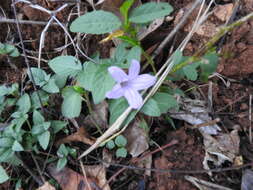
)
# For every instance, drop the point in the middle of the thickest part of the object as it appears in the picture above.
(28, 129)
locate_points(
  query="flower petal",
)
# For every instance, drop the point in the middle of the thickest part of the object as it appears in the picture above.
(134, 99)
(116, 92)
(142, 82)
(134, 69)
(118, 74)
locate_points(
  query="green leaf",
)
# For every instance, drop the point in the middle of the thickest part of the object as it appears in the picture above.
(39, 76)
(12, 50)
(6, 154)
(71, 106)
(208, 65)
(149, 12)
(24, 103)
(103, 82)
(124, 8)
(121, 152)
(110, 144)
(6, 142)
(165, 101)
(58, 125)
(96, 22)
(44, 139)
(37, 118)
(134, 53)
(190, 71)
(86, 77)
(129, 40)
(65, 65)
(117, 107)
(35, 99)
(61, 163)
(51, 86)
(4, 90)
(151, 108)
(62, 151)
(40, 128)
(60, 80)
(17, 146)
(3, 175)
(120, 141)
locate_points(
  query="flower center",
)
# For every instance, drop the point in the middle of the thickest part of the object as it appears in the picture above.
(124, 84)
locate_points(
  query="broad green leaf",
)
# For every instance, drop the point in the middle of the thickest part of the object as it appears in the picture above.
(103, 82)
(37, 118)
(35, 99)
(17, 146)
(51, 86)
(39, 76)
(6, 154)
(121, 152)
(65, 65)
(86, 77)
(4, 90)
(96, 22)
(6, 142)
(58, 125)
(110, 144)
(190, 71)
(71, 106)
(149, 12)
(120, 141)
(208, 65)
(60, 80)
(61, 163)
(151, 108)
(12, 50)
(164, 101)
(38, 129)
(134, 53)
(62, 151)
(44, 139)
(24, 103)
(3, 175)
(117, 107)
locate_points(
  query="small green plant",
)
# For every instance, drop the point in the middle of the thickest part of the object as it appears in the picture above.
(119, 142)
(7, 49)
(63, 152)
(29, 129)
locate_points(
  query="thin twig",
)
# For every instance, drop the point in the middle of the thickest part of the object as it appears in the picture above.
(175, 30)
(250, 118)
(29, 22)
(25, 56)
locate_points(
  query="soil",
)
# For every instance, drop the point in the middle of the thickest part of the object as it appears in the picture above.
(230, 102)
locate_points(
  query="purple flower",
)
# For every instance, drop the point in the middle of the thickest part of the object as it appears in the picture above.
(129, 85)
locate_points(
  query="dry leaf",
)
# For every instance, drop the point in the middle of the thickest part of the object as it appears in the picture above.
(146, 163)
(223, 147)
(223, 12)
(46, 186)
(80, 136)
(137, 140)
(68, 179)
(205, 185)
(188, 112)
(98, 117)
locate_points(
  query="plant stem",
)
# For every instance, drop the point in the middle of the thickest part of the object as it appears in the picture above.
(149, 61)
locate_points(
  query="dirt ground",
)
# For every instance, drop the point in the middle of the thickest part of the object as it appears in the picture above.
(230, 96)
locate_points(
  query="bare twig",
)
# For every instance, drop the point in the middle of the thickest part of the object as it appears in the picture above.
(175, 30)
(25, 56)
(250, 118)
(29, 22)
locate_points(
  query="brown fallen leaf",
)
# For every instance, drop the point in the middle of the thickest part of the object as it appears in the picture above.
(80, 136)
(221, 148)
(46, 186)
(137, 139)
(224, 12)
(68, 179)
(98, 117)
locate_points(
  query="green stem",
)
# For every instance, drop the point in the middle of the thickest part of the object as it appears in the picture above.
(149, 61)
